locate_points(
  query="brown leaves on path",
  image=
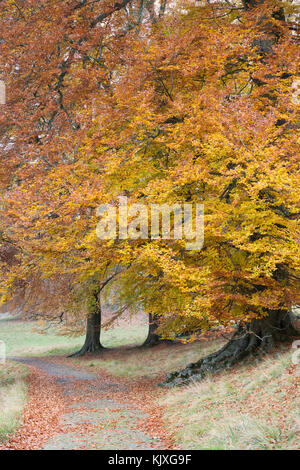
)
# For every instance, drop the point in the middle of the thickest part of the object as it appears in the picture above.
(46, 405)
(140, 392)
(41, 414)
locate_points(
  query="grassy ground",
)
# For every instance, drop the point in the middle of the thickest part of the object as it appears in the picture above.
(29, 339)
(254, 406)
(12, 397)
(25, 339)
(124, 335)
(151, 362)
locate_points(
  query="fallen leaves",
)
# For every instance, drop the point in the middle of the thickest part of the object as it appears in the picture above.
(41, 415)
(47, 406)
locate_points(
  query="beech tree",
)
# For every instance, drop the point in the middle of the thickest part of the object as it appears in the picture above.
(208, 116)
(59, 83)
(191, 106)
(152, 337)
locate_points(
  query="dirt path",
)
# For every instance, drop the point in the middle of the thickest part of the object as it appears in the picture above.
(97, 414)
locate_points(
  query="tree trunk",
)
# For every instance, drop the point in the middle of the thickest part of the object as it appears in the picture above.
(152, 338)
(92, 339)
(253, 339)
(93, 323)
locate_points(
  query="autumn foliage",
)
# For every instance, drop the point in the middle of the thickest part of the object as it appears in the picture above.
(187, 102)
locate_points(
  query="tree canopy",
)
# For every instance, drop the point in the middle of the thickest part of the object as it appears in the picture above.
(161, 102)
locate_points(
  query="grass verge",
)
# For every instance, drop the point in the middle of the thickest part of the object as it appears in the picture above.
(13, 389)
(255, 406)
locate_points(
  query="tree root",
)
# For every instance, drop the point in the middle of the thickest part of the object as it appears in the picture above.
(256, 338)
(89, 349)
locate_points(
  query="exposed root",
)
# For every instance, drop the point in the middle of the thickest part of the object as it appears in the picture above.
(250, 340)
(88, 349)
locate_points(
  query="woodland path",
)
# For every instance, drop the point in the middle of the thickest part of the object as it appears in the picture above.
(97, 414)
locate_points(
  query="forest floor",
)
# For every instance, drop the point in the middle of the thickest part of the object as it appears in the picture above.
(112, 401)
